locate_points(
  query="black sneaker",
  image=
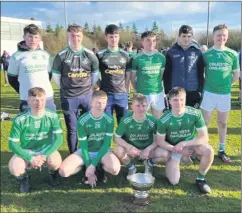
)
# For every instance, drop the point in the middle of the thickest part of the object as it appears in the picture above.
(54, 178)
(203, 186)
(224, 157)
(100, 173)
(24, 184)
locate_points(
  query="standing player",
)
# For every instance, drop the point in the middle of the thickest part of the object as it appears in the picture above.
(30, 67)
(182, 131)
(113, 64)
(75, 71)
(221, 72)
(147, 73)
(135, 137)
(185, 67)
(35, 136)
(95, 130)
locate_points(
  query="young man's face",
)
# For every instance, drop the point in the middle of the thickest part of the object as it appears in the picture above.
(178, 103)
(149, 43)
(37, 103)
(139, 108)
(75, 39)
(220, 37)
(32, 41)
(99, 104)
(112, 40)
(185, 39)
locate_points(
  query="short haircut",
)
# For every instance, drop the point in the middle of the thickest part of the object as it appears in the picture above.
(139, 98)
(129, 44)
(99, 94)
(176, 91)
(147, 34)
(32, 29)
(36, 91)
(185, 29)
(112, 29)
(74, 28)
(220, 27)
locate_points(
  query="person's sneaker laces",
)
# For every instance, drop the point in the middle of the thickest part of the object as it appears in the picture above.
(54, 178)
(224, 157)
(24, 184)
(148, 167)
(203, 186)
(131, 172)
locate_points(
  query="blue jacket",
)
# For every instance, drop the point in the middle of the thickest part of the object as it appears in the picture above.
(184, 68)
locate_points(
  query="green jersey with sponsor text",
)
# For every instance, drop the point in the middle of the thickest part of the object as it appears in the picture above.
(138, 134)
(219, 66)
(35, 133)
(181, 128)
(94, 130)
(149, 70)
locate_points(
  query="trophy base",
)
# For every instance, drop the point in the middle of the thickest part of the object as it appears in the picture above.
(141, 202)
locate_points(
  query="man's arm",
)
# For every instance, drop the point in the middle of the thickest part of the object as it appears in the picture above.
(95, 70)
(127, 81)
(56, 71)
(161, 142)
(14, 142)
(133, 79)
(200, 72)
(167, 76)
(58, 137)
(235, 77)
(13, 72)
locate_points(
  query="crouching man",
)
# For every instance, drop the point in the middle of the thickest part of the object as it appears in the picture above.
(35, 136)
(95, 131)
(180, 132)
(135, 137)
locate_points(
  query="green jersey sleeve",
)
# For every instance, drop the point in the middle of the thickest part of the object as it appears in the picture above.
(94, 63)
(161, 128)
(236, 66)
(58, 136)
(120, 131)
(199, 123)
(83, 143)
(15, 143)
(106, 144)
(57, 63)
(134, 64)
(13, 68)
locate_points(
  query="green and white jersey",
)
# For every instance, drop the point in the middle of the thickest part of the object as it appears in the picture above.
(219, 66)
(32, 68)
(149, 70)
(94, 130)
(35, 133)
(138, 134)
(183, 128)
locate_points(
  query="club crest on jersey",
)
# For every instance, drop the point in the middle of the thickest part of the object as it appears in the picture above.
(37, 124)
(97, 125)
(67, 61)
(106, 60)
(85, 61)
(44, 57)
(219, 55)
(34, 57)
(122, 61)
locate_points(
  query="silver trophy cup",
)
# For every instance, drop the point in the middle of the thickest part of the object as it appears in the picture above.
(141, 183)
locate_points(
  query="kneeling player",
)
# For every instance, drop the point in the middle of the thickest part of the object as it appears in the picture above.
(35, 136)
(180, 132)
(135, 137)
(95, 131)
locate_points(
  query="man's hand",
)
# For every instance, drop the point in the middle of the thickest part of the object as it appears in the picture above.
(92, 180)
(133, 151)
(187, 152)
(90, 170)
(144, 154)
(179, 147)
(37, 161)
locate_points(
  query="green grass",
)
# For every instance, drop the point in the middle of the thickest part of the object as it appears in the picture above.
(115, 196)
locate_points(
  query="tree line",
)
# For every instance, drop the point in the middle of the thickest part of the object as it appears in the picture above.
(54, 38)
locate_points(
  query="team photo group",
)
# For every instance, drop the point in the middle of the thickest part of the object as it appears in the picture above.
(173, 97)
